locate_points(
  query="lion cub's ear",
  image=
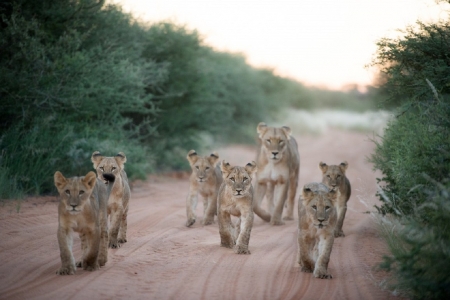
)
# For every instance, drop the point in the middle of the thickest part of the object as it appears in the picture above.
(343, 166)
(226, 168)
(251, 168)
(261, 129)
(89, 180)
(323, 166)
(307, 193)
(121, 159)
(287, 131)
(96, 158)
(192, 157)
(213, 158)
(60, 180)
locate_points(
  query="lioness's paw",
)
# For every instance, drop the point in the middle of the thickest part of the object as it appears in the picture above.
(288, 218)
(306, 270)
(227, 245)
(67, 270)
(190, 222)
(91, 267)
(339, 233)
(276, 222)
(122, 240)
(241, 250)
(102, 262)
(114, 244)
(322, 274)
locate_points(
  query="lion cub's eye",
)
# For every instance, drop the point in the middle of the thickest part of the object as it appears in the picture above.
(102, 169)
(113, 168)
(196, 167)
(281, 142)
(207, 168)
(232, 179)
(338, 176)
(328, 176)
(67, 192)
(327, 207)
(245, 179)
(268, 142)
(81, 193)
(314, 207)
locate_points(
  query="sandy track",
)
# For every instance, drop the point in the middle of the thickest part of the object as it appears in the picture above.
(165, 260)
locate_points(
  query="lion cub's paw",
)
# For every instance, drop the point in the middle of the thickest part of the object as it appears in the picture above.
(339, 233)
(114, 244)
(79, 264)
(227, 245)
(67, 270)
(241, 250)
(91, 267)
(276, 222)
(122, 240)
(208, 221)
(102, 261)
(322, 274)
(306, 270)
(190, 222)
(288, 218)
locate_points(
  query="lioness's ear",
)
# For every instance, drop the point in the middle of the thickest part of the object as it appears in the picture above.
(60, 180)
(96, 158)
(287, 131)
(261, 129)
(343, 166)
(192, 157)
(251, 168)
(121, 159)
(323, 166)
(226, 168)
(89, 180)
(213, 158)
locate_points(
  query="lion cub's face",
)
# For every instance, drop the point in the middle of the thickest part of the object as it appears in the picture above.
(238, 179)
(274, 140)
(202, 167)
(319, 202)
(106, 166)
(75, 191)
(333, 175)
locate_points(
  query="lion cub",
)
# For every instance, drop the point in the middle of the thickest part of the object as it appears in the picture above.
(119, 197)
(334, 178)
(82, 208)
(205, 180)
(235, 199)
(316, 222)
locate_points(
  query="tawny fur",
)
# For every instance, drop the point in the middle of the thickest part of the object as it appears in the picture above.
(316, 223)
(278, 163)
(205, 181)
(119, 197)
(334, 178)
(82, 209)
(235, 199)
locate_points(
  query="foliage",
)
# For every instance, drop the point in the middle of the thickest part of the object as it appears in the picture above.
(420, 257)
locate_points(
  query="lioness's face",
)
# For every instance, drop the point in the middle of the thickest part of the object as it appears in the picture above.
(239, 179)
(202, 167)
(75, 191)
(333, 175)
(108, 165)
(274, 141)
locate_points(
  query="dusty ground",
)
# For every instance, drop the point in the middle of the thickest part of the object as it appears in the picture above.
(165, 260)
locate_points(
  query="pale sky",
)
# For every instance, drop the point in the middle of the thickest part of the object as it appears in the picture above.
(318, 42)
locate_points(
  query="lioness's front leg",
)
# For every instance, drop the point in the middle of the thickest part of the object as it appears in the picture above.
(338, 232)
(68, 266)
(244, 236)
(122, 237)
(260, 191)
(293, 183)
(280, 196)
(116, 219)
(325, 246)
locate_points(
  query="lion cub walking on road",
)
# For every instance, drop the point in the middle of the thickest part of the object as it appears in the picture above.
(316, 223)
(334, 178)
(82, 208)
(205, 180)
(119, 197)
(235, 199)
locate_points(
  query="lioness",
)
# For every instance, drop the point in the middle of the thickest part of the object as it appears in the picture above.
(334, 178)
(235, 199)
(278, 163)
(82, 208)
(119, 197)
(316, 222)
(205, 180)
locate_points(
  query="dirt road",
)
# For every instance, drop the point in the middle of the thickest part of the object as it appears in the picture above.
(165, 260)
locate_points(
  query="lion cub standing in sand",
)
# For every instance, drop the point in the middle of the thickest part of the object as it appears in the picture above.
(82, 208)
(316, 223)
(235, 199)
(334, 178)
(119, 197)
(278, 164)
(205, 180)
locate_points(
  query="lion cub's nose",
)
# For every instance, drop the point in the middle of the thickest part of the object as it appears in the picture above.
(238, 191)
(320, 220)
(274, 153)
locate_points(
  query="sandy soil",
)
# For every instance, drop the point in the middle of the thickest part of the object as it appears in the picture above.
(165, 260)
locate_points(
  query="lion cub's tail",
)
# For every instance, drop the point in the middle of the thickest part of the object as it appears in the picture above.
(110, 178)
